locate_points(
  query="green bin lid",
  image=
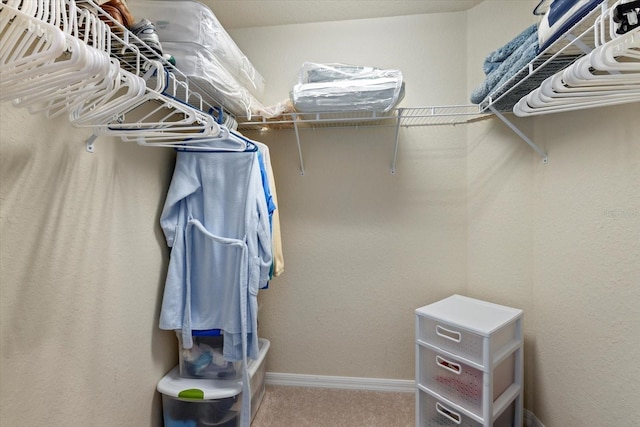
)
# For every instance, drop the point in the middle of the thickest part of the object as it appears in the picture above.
(174, 385)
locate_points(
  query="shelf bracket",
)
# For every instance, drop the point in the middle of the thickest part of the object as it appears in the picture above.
(295, 128)
(395, 147)
(88, 144)
(525, 138)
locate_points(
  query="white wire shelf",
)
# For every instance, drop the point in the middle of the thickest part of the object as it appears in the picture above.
(402, 117)
(397, 118)
(575, 43)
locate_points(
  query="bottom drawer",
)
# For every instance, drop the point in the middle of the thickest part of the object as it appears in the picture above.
(434, 412)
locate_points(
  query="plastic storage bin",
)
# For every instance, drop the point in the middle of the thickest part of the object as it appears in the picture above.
(204, 359)
(188, 402)
(469, 358)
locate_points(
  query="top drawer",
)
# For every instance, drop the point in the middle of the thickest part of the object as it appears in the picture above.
(462, 343)
(460, 326)
(450, 338)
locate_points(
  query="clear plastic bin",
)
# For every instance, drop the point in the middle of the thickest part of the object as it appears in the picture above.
(204, 359)
(206, 402)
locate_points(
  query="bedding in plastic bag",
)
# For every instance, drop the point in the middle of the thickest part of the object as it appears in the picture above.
(194, 22)
(341, 87)
(215, 84)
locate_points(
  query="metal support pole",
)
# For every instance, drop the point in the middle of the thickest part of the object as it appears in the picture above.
(395, 147)
(525, 138)
(295, 128)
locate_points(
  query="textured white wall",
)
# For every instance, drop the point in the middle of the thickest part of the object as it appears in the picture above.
(586, 282)
(500, 173)
(364, 248)
(561, 241)
(82, 264)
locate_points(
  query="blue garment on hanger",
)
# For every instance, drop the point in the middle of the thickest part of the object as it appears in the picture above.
(271, 207)
(215, 219)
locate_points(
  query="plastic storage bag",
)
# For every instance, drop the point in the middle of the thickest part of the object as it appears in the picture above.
(340, 87)
(194, 22)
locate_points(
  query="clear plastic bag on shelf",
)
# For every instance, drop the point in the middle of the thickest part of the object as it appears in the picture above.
(216, 85)
(210, 78)
(194, 22)
(341, 87)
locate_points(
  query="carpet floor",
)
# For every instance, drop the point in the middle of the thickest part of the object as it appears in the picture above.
(286, 406)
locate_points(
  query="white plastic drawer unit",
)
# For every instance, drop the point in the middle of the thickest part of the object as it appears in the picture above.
(469, 364)
(435, 412)
(459, 325)
(459, 382)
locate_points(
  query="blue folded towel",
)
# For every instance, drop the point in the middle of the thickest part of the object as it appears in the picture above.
(502, 64)
(498, 56)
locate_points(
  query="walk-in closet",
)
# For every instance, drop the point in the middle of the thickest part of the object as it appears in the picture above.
(467, 253)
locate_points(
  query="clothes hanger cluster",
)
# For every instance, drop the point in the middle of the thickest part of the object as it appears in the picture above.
(607, 75)
(60, 58)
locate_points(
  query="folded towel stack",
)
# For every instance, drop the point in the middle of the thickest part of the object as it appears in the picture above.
(503, 63)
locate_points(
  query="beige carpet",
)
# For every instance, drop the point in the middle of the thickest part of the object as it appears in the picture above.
(284, 406)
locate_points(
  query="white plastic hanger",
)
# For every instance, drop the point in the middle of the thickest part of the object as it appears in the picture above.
(226, 141)
(32, 77)
(55, 59)
(67, 98)
(126, 89)
(608, 75)
(27, 43)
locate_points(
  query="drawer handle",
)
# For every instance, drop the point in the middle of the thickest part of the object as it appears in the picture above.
(453, 416)
(449, 366)
(448, 334)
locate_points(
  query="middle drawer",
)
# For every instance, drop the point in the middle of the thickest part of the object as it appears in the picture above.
(461, 383)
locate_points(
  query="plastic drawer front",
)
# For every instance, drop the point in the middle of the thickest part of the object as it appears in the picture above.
(460, 383)
(460, 342)
(438, 413)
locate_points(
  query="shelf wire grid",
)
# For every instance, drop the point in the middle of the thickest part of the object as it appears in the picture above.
(555, 58)
(403, 117)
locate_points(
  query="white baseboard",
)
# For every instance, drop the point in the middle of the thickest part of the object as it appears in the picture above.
(530, 420)
(349, 383)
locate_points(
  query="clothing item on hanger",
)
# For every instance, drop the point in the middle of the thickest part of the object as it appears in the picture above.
(278, 256)
(119, 11)
(215, 219)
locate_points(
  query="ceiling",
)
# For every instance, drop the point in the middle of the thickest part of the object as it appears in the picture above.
(260, 13)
